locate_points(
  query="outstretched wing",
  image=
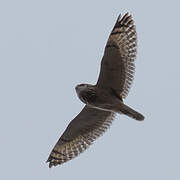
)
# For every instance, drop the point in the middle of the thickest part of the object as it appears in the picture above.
(117, 66)
(87, 126)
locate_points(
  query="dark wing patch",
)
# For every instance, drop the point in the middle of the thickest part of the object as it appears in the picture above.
(86, 127)
(117, 66)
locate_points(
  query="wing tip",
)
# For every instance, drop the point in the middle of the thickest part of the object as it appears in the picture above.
(49, 161)
(119, 17)
(126, 19)
(52, 162)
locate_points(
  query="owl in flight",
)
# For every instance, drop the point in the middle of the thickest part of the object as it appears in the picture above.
(104, 99)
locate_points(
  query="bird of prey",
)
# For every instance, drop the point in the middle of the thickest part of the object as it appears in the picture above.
(105, 99)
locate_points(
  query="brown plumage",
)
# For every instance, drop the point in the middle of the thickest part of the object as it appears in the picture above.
(117, 66)
(104, 99)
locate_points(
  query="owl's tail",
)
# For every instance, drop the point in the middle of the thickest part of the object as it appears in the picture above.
(131, 113)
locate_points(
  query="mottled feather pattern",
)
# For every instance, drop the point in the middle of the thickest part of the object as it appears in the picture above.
(124, 37)
(104, 99)
(67, 150)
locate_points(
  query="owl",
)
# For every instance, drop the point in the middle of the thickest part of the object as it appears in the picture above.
(106, 98)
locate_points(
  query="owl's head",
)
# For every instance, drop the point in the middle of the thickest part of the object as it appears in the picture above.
(81, 87)
(83, 90)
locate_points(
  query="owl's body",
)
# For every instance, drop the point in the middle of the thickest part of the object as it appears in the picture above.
(104, 99)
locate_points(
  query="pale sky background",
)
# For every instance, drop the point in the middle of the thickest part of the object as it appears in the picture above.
(46, 48)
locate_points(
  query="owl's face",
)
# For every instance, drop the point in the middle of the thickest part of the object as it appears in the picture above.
(84, 92)
(80, 88)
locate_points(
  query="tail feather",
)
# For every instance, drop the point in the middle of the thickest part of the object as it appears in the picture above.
(131, 113)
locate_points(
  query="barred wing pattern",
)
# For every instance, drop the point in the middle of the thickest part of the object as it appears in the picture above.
(117, 66)
(86, 127)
